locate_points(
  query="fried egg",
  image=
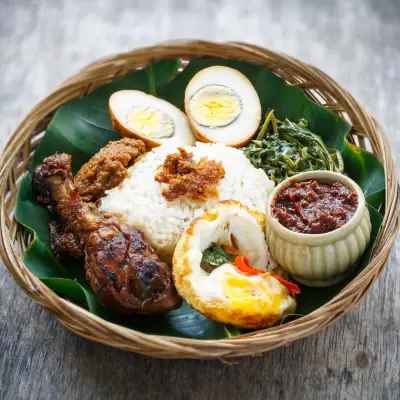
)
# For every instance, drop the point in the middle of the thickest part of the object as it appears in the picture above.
(226, 294)
(222, 106)
(155, 121)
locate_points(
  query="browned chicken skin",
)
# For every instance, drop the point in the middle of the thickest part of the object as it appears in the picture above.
(64, 242)
(108, 168)
(123, 269)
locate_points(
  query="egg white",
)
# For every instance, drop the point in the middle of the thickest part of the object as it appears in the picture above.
(227, 295)
(244, 125)
(123, 102)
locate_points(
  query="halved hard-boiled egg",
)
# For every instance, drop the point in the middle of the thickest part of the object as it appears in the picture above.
(231, 294)
(153, 120)
(222, 106)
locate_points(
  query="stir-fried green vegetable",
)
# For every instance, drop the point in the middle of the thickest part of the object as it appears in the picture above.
(289, 149)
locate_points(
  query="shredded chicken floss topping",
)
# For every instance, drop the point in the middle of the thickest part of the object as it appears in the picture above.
(185, 176)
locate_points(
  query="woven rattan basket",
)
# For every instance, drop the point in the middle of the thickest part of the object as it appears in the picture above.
(366, 133)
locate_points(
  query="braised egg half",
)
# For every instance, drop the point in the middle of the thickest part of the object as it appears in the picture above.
(222, 106)
(228, 294)
(153, 120)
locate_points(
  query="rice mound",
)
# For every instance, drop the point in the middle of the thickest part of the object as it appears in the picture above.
(138, 199)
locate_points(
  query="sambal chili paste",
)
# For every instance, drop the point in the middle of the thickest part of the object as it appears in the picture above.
(314, 207)
(185, 176)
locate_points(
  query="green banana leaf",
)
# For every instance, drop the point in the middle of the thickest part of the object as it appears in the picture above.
(83, 126)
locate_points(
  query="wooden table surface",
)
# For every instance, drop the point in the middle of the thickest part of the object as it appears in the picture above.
(356, 42)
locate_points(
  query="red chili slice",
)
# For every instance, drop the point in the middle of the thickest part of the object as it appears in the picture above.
(291, 287)
(243, 265)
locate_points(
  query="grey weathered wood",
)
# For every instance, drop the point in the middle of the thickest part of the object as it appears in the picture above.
(356, 42)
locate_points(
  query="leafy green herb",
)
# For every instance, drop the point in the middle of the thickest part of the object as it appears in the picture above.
(289, 149)
(216, 255)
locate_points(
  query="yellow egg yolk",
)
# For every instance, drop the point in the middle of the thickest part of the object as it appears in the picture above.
(150, 121)
(251, 296)
(215, 106)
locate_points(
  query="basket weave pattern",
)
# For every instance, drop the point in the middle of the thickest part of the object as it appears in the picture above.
(366, 133)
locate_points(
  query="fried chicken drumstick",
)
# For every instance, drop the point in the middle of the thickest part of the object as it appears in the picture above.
(123, 269)
(108, 168)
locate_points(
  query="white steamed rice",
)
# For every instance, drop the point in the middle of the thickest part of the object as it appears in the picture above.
(140, 203)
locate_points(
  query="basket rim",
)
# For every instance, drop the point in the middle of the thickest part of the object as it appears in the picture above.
(180, 347)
